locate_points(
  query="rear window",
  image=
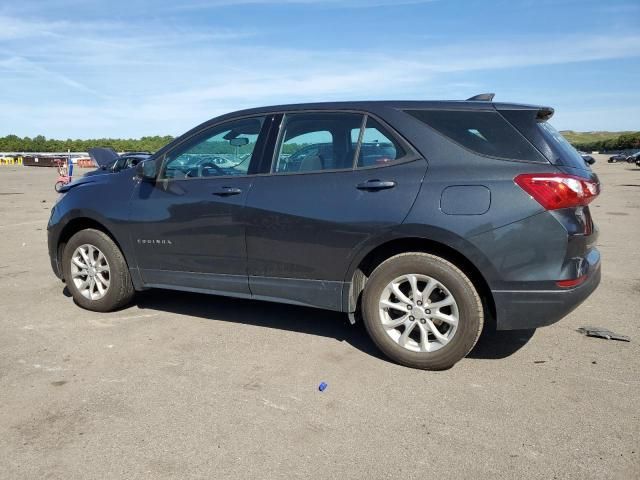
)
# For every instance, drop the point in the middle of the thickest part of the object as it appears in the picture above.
(483, 132)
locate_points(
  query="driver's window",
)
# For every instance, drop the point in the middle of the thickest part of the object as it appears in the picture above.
(225, 150)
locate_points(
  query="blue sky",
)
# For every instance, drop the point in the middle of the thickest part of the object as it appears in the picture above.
(128, 68)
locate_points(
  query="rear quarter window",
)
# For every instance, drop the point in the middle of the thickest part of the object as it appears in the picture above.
(483, 132)
(565, 154)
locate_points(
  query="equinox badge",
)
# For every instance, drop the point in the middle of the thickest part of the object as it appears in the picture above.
(155, 242)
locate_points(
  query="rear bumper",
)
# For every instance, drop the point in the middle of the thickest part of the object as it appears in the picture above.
(526, 309)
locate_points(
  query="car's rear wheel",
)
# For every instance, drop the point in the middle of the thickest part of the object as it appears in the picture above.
(96, 272)
(422, 311)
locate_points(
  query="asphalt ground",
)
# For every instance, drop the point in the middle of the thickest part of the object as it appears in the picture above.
(190, 386)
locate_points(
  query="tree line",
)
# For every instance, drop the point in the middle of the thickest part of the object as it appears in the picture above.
(39, 143)
(626, 141)
(13, 143)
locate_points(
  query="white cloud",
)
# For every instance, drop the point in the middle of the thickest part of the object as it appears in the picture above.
(109, 77)
(204, 4)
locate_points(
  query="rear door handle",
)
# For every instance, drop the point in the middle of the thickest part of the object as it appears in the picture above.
(372, 185)
(227, 191)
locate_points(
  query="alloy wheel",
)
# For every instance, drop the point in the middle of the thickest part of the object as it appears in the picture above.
(90, 272)
(419, 313)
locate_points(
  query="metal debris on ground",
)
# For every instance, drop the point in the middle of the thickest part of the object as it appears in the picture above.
(603, 333)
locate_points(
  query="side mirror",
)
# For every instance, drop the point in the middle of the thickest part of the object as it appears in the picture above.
(591, 160)
(147, 171)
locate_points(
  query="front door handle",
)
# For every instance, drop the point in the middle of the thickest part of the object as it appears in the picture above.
(227, 191)
(373, 185)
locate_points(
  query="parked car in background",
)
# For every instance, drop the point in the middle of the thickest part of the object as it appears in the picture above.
(633, 158)
(109, 161)
(428, 220)
(371, 153)
(618, 157)
(130, 160)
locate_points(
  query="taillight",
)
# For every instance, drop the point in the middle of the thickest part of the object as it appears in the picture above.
(571, 283)
(554, 191)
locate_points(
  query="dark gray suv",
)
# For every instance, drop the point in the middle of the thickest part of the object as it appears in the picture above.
(427, 219)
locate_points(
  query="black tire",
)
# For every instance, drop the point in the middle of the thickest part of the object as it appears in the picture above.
(58, 186)
(120, 291)
(470, 310)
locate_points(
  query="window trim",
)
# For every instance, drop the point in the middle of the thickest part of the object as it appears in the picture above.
(263, 166)
(411, 154)
(356, 154)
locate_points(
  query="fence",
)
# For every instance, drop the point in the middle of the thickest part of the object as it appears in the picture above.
(11, 160)
(49, 160)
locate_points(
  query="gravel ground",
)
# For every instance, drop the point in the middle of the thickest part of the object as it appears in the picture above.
(190, 386)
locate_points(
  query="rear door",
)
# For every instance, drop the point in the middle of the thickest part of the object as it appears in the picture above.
(188, 230)
(307, 217)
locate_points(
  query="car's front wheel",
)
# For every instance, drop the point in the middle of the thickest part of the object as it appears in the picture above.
(96, 272)
(422, 311)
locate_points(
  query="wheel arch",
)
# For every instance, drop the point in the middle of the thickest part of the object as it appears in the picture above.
(78, 224)
(359, 275)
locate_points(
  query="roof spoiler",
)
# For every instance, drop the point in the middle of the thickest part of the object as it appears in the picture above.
(482, 97)
(544, 114)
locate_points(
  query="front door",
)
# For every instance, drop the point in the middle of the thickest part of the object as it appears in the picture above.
(187, 227)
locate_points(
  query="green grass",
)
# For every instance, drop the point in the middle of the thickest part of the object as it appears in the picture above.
(588, 137)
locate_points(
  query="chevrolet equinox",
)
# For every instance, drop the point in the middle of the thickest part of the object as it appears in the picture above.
(426, 219)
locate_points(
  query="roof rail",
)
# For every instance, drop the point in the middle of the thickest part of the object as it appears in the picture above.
(483, 97)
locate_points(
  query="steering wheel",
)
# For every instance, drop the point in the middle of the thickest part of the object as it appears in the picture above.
(208, 164)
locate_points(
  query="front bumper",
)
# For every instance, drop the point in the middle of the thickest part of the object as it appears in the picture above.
(54, 228)
(53, 253)
(527, 309)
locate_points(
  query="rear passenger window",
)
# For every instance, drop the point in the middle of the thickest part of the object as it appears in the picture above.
(484, 132)
(317, 141)
(378, 147)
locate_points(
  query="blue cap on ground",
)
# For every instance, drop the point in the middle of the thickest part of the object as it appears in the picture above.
(322, 386)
